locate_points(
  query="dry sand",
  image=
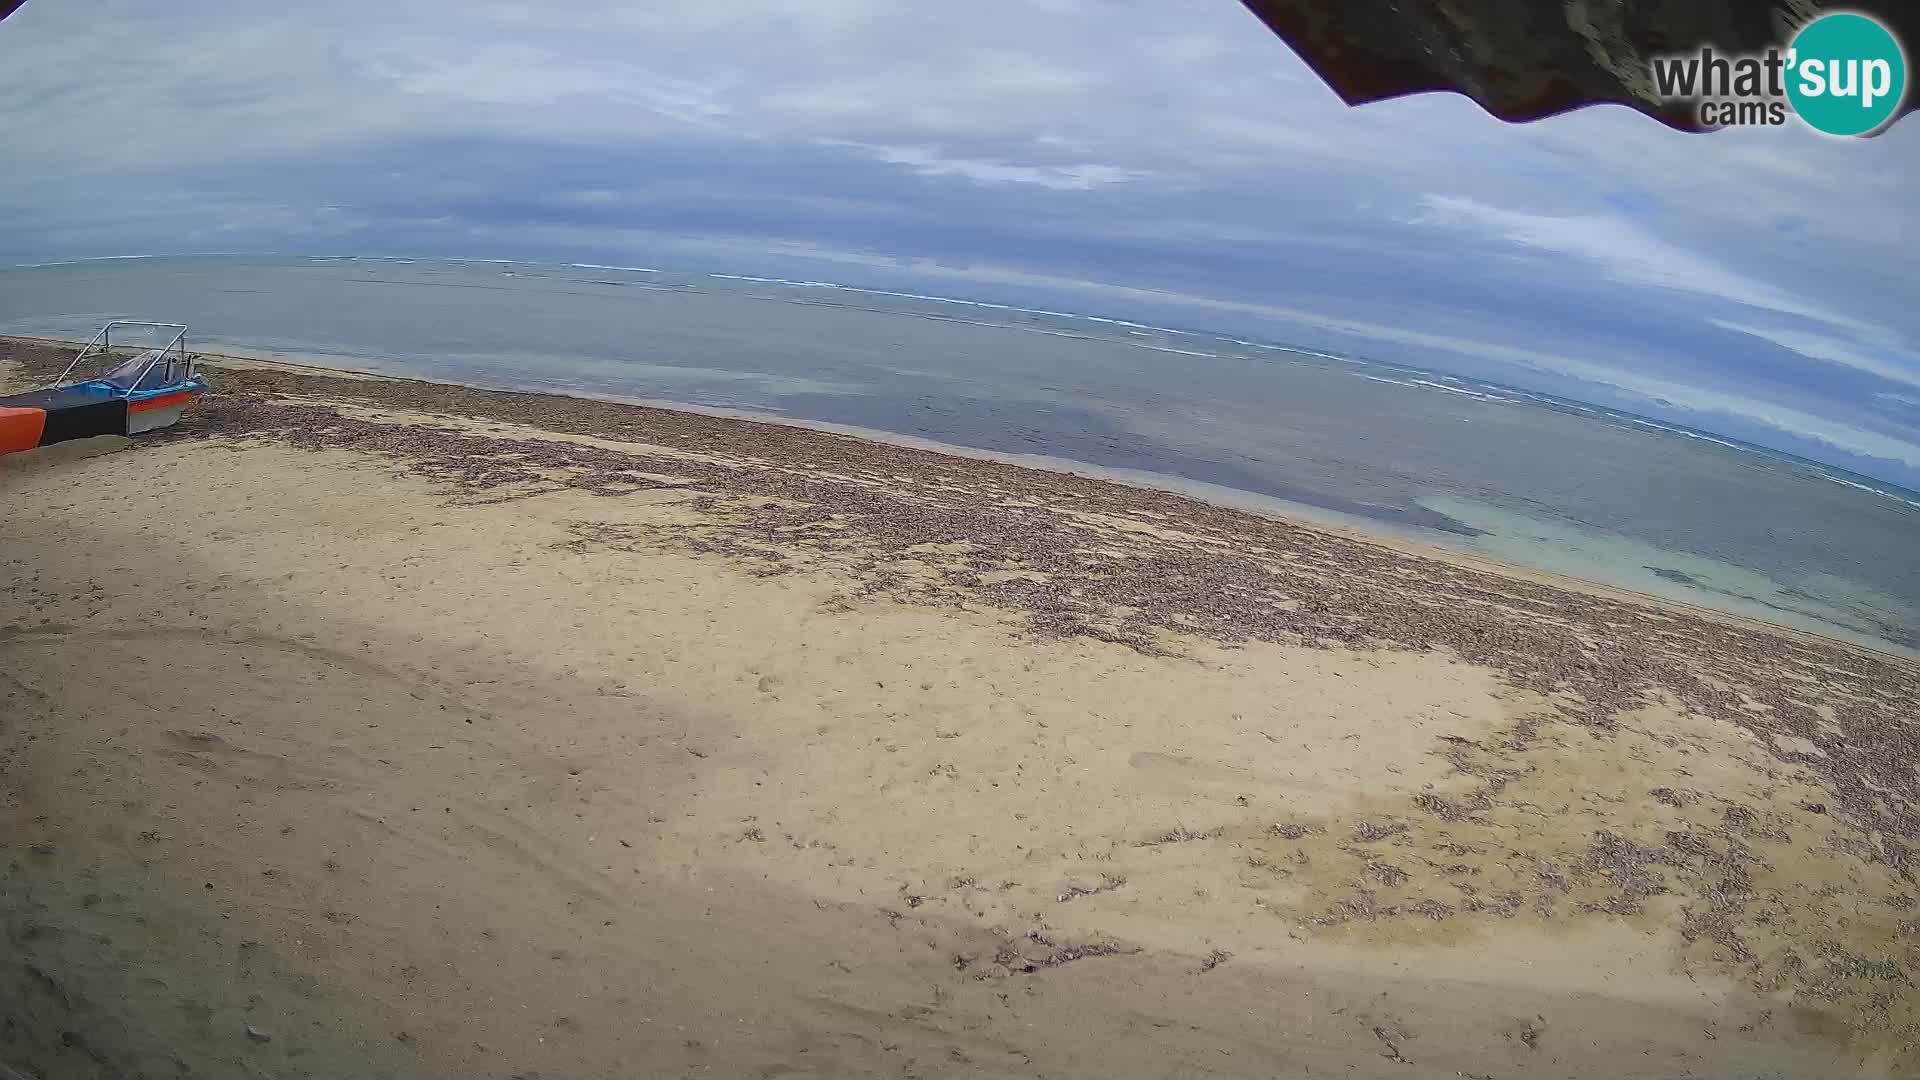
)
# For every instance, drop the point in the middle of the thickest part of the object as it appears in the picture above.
(364, 727)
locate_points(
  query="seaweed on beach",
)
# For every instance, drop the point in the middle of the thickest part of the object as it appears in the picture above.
(1036, 951)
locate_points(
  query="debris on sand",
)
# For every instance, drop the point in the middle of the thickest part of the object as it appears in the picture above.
(1360, 907)
(1551, 876)
(1502, 904)
(1215, 959)
(1368, 832)
(1181, 835)
(1691, 844)
(1630, 869)
(1390, 1039)
(1439, 806)
(1293, 831)
(1108, 883)
(1036, 951)
(1385, 873)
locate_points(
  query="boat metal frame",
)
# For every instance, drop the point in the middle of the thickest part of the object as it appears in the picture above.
(174, 351)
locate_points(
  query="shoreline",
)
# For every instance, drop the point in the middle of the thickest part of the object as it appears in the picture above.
(428, 729)
(1213, 494)
(1361, 530)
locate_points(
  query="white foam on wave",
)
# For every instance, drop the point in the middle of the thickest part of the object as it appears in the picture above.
(1298, 351)
(116, 258)
(1448, 389)
(1700, 436)
(839, 287)
(1170, 349)
(1843, 481)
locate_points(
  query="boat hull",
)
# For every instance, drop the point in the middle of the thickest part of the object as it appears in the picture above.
(157, 412)
(84, 410)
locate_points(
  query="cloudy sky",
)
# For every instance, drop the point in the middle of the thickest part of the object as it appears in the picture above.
(1160, 158)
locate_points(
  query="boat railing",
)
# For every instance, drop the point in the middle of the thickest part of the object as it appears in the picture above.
(174, 351)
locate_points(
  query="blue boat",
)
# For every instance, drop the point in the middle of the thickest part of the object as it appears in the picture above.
(126, 396)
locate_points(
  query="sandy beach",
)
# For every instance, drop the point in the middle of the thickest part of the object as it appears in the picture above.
(367, 727)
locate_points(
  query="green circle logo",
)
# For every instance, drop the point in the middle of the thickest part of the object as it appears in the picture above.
(1846, 74)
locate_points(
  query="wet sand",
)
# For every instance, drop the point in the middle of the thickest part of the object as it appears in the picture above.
(371, 727)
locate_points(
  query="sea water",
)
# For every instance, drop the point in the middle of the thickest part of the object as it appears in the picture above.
(1525, 477)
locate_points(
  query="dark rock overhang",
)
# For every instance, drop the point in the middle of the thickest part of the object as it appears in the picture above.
(1527, 59)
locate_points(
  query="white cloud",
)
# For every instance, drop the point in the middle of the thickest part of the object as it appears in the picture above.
(1884, 362)
(927, 161)
(498, 74)
(1629, 253)
(1133, 86)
